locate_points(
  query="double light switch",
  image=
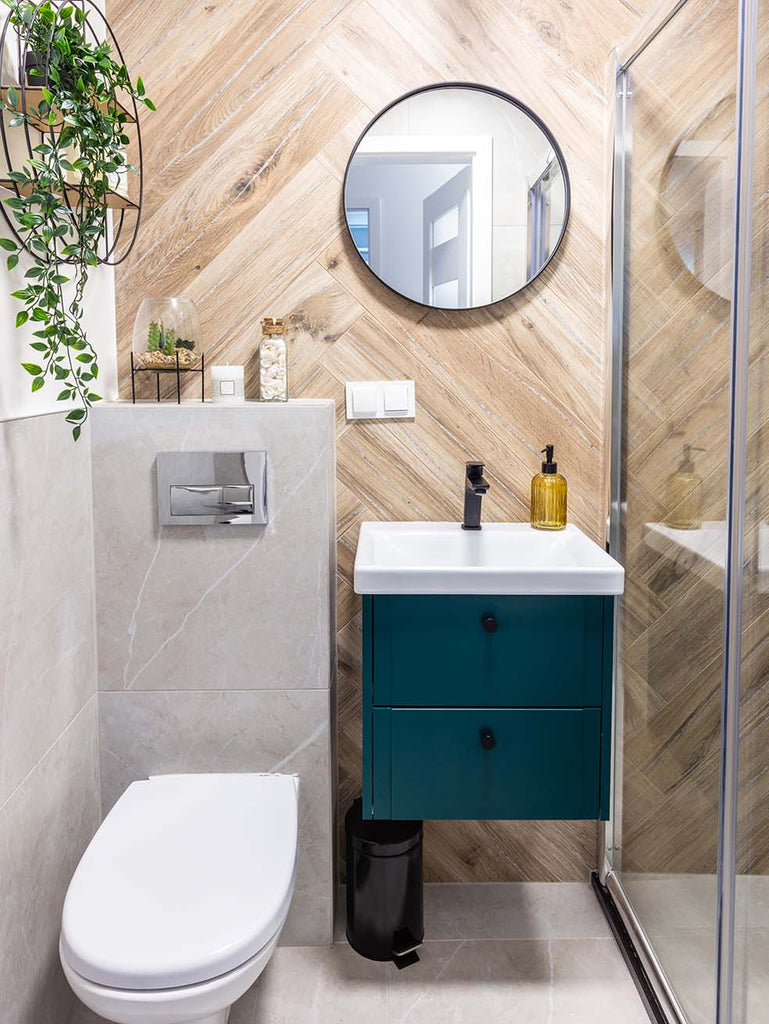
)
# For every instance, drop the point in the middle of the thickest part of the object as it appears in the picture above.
(380, 399)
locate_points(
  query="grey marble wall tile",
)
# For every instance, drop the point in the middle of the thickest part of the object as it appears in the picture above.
(47, 641)
(150, 733)
(203, 608)
(44, 828)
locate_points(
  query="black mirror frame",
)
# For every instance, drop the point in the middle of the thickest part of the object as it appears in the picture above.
(529, 113)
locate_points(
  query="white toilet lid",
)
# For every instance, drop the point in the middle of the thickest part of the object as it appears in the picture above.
(187, 878)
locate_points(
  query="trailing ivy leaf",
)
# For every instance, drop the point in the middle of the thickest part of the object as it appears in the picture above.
(75, 415)
(13, 97)
(38, 383)
(76, 432)
(32, 368)
(64, 225)
(148, 103)
(64, 395)
(8, 245)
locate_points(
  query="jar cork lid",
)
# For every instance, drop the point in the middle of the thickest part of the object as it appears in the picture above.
(273, 325)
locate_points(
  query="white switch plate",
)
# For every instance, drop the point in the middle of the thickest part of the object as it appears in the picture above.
(380, 399)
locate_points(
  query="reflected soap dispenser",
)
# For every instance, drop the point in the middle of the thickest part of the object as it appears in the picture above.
(548, 495)
(683, 495)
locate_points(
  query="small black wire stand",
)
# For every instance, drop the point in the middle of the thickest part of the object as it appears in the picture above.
(178, 370)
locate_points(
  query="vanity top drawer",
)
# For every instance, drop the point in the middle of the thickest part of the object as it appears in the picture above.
(454, 651)
(487, 763)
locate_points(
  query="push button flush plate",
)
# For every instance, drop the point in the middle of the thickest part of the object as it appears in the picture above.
(212, 488)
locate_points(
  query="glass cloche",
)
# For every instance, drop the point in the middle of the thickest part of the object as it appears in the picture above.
(167, 331)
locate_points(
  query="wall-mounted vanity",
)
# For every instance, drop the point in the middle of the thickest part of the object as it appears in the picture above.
(487, 671)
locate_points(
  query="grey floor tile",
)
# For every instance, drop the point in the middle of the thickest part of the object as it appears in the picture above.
(316, 985)
(565, 969)
(522, 981)
(513, 910)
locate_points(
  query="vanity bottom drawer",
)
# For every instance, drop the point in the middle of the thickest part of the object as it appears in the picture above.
(486, 763)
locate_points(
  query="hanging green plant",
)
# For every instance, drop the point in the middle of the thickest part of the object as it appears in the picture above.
(60, 205)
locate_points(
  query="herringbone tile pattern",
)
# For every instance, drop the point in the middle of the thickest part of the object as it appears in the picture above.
(259, 106)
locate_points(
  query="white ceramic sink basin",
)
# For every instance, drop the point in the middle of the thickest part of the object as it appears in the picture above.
(501, 558)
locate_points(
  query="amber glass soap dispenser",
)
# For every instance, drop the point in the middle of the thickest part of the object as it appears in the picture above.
(683, 495)
(548, 495)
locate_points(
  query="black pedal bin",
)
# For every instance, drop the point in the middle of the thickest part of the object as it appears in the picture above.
(385, 909)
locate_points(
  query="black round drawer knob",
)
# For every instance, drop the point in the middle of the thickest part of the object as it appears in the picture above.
(489, 623)
(487, 739)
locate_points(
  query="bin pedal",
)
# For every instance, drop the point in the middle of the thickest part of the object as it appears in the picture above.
(405, 949)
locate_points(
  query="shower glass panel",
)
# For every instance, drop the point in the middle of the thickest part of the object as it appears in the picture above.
(751, 977)
(677, 135)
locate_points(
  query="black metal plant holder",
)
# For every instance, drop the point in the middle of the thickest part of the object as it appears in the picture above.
(126, 223)
(178, 370)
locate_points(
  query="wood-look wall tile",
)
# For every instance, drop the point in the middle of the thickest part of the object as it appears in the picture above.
(397, 69)
(244, 162)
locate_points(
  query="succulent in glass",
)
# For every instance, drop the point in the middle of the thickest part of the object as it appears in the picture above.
(167, 331)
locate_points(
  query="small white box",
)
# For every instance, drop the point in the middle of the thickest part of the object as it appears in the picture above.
(227, 384)
(380, 399)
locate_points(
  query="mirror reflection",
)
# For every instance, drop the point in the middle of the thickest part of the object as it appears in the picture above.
(696, 197)
(456, 196)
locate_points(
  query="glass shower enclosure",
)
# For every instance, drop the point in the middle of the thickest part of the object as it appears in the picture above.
(686, 853)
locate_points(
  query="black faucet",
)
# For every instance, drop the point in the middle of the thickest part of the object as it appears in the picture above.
(475, 488)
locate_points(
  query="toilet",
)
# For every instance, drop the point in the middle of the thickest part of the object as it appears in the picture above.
(179, 900)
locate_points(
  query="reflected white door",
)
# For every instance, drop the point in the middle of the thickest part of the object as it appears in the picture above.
(447, 249)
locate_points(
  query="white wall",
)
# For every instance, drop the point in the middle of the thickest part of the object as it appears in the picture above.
(16, 398)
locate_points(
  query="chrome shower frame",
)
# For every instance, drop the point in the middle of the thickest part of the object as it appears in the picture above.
(611, 833)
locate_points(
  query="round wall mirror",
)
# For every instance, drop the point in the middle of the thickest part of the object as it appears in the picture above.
(456, 196)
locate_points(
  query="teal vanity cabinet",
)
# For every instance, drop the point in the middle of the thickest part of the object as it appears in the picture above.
(487, 706)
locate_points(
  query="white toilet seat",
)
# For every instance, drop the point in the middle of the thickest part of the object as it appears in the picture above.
(179, 900)
(201, 1003)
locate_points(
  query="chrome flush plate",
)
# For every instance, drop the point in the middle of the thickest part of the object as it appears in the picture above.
(212, 488)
